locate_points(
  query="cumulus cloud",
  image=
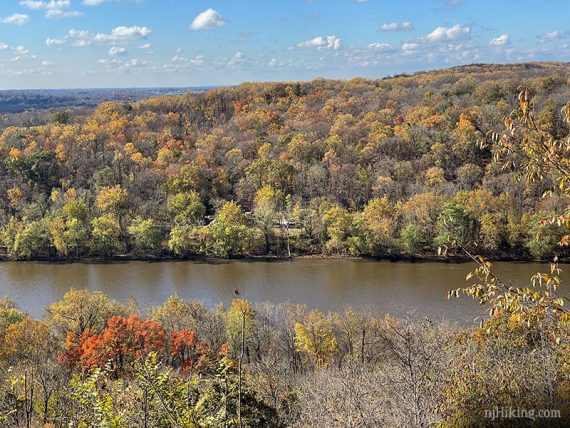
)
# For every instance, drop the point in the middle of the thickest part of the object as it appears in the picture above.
(117, 35)
(15, 19)
(397, 26)
(236, 59)
(379, 46)
(59, 14)
(135, 62)
(116, 50)
(115, 64)
(45, 5)
(328, 42)
(408, 47)
(179, 63)
(21, 53)
(502, 40)
(93, 2)
(129, 33)
(549, 36)
(207, 19)
(55, 42)
(53, 9)
(448, 34)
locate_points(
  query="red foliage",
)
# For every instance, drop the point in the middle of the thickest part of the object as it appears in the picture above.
(122, 341)
(187, 349)
(224, 350)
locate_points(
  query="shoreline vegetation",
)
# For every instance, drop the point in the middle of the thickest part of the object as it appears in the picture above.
(427, 258)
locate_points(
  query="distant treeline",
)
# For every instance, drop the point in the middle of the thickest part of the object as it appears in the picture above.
(18, 101)
(381, 168)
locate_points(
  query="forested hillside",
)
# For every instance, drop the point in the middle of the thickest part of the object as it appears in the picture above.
(362, 167)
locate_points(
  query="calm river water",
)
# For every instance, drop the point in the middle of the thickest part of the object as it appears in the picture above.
(397, 288)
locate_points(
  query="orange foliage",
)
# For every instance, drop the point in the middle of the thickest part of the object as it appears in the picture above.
(187, 349)
(122, 341)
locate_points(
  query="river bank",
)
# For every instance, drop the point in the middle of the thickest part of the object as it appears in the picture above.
(422, 258)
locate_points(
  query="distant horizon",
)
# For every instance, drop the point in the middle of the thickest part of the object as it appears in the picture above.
(410, 73)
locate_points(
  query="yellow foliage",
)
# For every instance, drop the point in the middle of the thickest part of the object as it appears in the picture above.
(315, 338)
(15, 195)
(111, 198)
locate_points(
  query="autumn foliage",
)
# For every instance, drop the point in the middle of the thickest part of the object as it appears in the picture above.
(121, 342)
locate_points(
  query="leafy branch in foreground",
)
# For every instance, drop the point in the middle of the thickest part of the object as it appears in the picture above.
(530, 150)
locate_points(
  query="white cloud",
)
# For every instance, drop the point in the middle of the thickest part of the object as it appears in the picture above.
(549, 36)
(117, 35)
(397, 26)
(207, 19)
(45, 5)
(379, 46)
(92, 2)
(115, 50)
(21, 50)
(185, 62)
(121, 65)
(135, 62)
(58, 14)
(328, 42)
(236, 59)
(145, 46)
(55, 42)
(22, 53)
(15, 19)
(408, 47)
(447, 34)
(3, 46)
(130, 33)
(53, 8)
(502, 40)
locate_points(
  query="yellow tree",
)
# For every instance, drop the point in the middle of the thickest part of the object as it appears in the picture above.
(315, 338)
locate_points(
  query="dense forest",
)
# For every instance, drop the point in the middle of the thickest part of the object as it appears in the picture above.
(376, 168)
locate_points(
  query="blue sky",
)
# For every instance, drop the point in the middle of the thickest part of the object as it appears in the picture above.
(128, 43)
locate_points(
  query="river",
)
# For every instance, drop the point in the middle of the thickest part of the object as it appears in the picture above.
(398, 288)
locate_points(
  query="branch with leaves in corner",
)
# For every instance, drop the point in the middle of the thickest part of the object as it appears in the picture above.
(528, 149)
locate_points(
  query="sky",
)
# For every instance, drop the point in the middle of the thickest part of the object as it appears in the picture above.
(165, 43)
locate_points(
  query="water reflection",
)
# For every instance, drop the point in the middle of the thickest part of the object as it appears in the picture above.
(396, 288)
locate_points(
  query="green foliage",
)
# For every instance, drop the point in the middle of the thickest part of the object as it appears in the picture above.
(411, 239)
(187, 208)
(228, 235)
(456, 226)
(106, 235)
(145, 235)
(31, 240)
(544, 237)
